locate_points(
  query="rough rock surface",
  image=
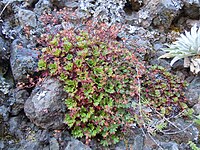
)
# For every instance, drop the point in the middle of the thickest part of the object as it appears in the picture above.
(193, 92)
(4, 85)
(26, 18)
(196, 108)
(192, 8)
(23, 61)
(136, 4)
(42, 6)
(65, 3)
(18, 99)
(103, 11)
(45, 107)
(187, 131)
(4, 51)
(76, 145)
(27, 116)
(159, 13)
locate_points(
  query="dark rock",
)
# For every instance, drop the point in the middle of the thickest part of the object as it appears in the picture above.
(161, 62)
(14, 126)
(31, 3)
(192, 9)
(193, 92)
(134, 141)
(2, 126)
(20, 96)
(45, 106)
(30, 145)
(26, 135)
(178, 65)
(76, 145)
(23, 61)
(120, 146)
(43, 137)
(136, 4)
(159, 13)
(4, 51)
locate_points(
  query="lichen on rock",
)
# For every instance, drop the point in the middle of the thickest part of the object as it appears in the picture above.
(103, 10)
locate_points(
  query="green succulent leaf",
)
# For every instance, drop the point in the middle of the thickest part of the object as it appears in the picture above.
(67, 46)
(57, 52)
(71, 103)
(109, 88)
(54, 41)
(78, 62)
(53, 68)
(69, 120)
(69, 56)
(69, 66)
(42, 65)
(77, 132)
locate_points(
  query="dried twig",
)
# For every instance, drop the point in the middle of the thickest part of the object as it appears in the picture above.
(166, 119)
(155, 141)
(4, 8)
(176, 132)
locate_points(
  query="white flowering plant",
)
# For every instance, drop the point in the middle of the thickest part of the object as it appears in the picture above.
(187, 47)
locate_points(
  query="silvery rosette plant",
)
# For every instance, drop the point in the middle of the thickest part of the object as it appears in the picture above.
(187, 46)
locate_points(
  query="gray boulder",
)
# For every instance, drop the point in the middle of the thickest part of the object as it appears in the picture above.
(45, 106)
(159, 13)
(41, 6)
(14, 126)
(19, 97)
(26, 18)
(23, 61)
(193, 92)
(54, 145)
(102, 10)
(76, 145)
(169, 145)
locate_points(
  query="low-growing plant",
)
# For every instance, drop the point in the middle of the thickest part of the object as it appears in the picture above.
(188, 47)
(163, 91)
(193, 146)
(105, 83)
(98, 74)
